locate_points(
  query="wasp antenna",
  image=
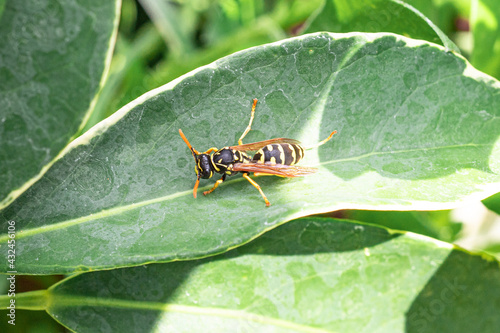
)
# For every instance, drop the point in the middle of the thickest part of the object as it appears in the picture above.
(188, 144)
(322, 142)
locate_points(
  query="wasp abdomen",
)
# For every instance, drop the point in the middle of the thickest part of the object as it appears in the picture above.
(280, 153)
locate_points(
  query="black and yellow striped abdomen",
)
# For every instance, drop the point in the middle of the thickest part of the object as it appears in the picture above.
(280, 153)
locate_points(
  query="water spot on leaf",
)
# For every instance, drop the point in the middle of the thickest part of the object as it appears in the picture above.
(150, 181)
(119, 139)
(123, 190)
(396, 168)
(485, 115)
(359, 228)
(196, 113)
(432, 94)
(204, 127)
(410, 80)
(264, 118)
(181, 162)
(311, 67)
(94, 179)
(157, 176)
(192, 94)
(299, 270)
(12, 126)
(277, 101)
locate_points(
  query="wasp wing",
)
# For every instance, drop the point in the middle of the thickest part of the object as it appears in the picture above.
(268, 168)
(257, 145)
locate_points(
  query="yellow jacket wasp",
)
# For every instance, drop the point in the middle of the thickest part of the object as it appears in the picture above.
(273, 157)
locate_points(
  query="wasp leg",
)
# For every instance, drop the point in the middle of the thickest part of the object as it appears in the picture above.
(215, 185)
(322, 142)
(213, 149)
(245, 175)
(249, 127)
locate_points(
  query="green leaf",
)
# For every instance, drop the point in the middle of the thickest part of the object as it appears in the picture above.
(417, 130)
(2, 7)
(493, 203)
(485, 19)
(436, 224)
(310, 275)
(224, 17)
(54, 56)
(176, 29)
(375, 16)
(443, 13)
(127, 72)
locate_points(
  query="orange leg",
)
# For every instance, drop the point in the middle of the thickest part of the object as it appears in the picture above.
(322, 142)
(217, 183)
(249, 127)
(213, 149)
(245, 175)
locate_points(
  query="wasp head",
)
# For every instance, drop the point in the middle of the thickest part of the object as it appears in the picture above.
(203, 164)
(203, 167)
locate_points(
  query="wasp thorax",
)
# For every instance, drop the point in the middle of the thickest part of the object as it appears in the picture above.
(224, 156)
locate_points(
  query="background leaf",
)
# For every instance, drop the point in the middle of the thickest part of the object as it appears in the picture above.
(310, 275)
(2, 7)
(443, 13)
(176, 29)
(493, 203)
(435, 224)
(54, 55)
(485, 19)
(417, 129)
(375, 16)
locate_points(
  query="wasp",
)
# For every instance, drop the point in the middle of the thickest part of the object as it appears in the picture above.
(273, 157)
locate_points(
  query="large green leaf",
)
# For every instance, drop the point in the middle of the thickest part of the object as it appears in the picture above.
(311, 275)
(417, 130)
(377, 15)
(485, 20)
(54, 56)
